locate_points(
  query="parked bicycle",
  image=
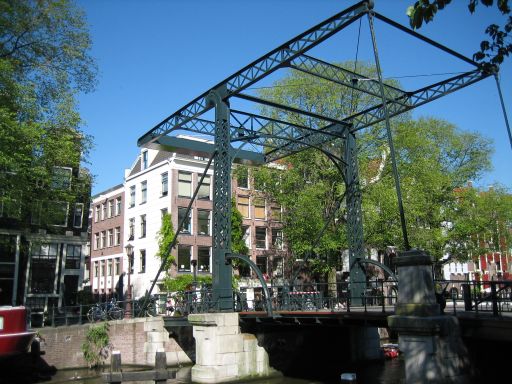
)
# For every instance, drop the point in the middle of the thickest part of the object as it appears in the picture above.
(105, 311)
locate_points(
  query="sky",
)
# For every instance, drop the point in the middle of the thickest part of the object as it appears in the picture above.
(154, 56)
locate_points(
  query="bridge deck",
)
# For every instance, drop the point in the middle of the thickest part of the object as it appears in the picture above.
(474, 325)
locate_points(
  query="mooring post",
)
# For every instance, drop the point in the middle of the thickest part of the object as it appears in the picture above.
(160, 367)
(115, 368)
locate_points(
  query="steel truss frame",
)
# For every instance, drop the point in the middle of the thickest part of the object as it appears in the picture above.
(276, 138)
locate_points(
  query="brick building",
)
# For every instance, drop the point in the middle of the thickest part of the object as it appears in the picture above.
(107, 252)
(160, 182)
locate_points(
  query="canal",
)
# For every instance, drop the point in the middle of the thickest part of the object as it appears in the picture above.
(375, 372)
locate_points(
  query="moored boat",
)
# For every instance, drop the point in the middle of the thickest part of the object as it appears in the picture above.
(390, 351)
(15, 337)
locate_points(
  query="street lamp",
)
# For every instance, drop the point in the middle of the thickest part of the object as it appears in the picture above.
(128, 307)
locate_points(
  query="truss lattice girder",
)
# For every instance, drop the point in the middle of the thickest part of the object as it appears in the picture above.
(342, 76)
(260, 130)
(278, 58)
(376, 114)
(414, 99)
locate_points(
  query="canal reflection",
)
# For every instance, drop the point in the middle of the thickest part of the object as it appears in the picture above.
(375, 372)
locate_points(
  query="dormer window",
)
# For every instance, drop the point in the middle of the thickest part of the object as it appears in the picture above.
(144, 160)
(61, 178)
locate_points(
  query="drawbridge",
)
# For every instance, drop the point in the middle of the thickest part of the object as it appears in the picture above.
(228, 114)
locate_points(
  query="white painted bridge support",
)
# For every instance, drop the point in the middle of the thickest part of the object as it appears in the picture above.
(223, 353)
(431, 344)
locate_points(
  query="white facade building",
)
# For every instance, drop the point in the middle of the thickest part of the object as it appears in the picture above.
(157, 183)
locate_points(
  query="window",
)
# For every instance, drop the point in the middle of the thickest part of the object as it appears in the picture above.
(58, 214)
(103, 239)
(61, 178)
(259, 184)
(184, 184)
(242, 178)
(97, 241)
(35, 212)
(243, 205)
(247, 235)
(96, 213)
(277, 238)
(259, 209)
(142, 260)
(117, 270)
(102, 268)
(144, 160)
(9, 207)
(110, 208)
(131, 228)
(261, 237)
(203, 259)
(118, 206)
(203, 222)
(78, 215)
(110, 237)
(261, 262)
(276, 213)
(109, 267)
(204, 189)
(143, 226)
(186, 224)
(143, 192)
(184, 258)
(42, 271)
(103, 211)
(165, 184)
(132, 196)
(117, 238)
(73, 256)
(277, 267)
(96, 269)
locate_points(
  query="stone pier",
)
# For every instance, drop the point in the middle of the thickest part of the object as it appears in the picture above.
(223, 353)
(431, 343)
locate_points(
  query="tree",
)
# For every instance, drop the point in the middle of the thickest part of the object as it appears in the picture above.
(434, 157)
(482, 222)
(165, 237)
(237, 233)
(491, 52)
(44, 61)
(311, 187)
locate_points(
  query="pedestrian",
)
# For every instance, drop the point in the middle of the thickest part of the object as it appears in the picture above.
(169, 306)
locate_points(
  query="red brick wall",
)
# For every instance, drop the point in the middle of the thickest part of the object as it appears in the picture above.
(62, 345)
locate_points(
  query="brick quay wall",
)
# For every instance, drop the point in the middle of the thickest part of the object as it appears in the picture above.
(136, 339)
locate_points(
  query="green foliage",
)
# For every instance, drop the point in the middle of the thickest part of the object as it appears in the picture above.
(44, 61)
(96, 346)
(184, 282)
(433, 157)
(165, 236)
(309, 186)
(491, 52)
(482, 222)
(237, 235)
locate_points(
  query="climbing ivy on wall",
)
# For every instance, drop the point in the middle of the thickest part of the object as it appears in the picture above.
(96, 346)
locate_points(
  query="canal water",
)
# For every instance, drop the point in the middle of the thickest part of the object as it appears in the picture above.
(375, 372)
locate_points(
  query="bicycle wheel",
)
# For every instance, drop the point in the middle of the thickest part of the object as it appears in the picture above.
(116, 313)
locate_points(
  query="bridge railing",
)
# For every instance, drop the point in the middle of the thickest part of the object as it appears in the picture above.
(487, 297)
(304, 297)
(55, 316)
